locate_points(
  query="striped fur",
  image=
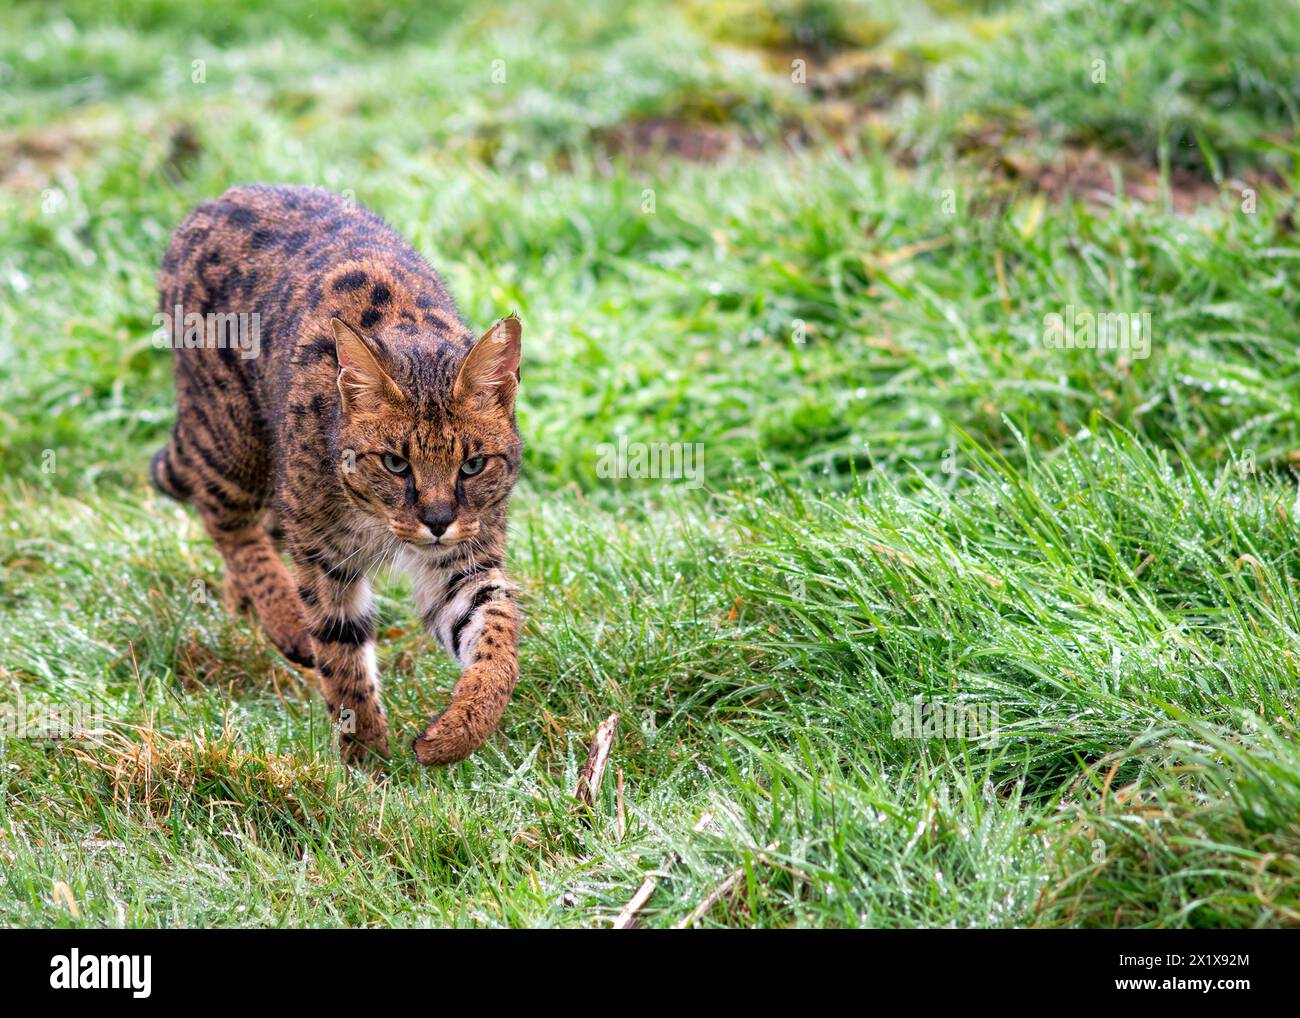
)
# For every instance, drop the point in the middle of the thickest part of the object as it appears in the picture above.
(364, 366)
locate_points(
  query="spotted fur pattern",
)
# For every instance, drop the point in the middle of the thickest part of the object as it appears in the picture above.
(370, 429)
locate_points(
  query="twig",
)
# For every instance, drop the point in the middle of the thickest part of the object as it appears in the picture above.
(597, 758)
(626, 919)
(719, 892)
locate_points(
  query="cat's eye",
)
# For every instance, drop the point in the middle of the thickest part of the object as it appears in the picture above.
(473, 465)
(395, 463)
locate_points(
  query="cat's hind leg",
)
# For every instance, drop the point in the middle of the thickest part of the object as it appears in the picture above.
(236, 599)
(255, 572)
(219, 458)
(169, 472)
(235, 518)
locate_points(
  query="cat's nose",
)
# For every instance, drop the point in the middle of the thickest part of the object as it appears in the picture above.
(438, 518)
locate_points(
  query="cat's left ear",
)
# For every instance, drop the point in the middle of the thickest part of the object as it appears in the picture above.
(491, 368)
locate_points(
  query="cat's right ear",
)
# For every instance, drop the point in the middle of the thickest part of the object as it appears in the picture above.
(364, 385)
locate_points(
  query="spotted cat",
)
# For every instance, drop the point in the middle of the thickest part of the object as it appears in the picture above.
(365, 427)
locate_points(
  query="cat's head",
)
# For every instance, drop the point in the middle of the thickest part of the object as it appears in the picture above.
(430, 455)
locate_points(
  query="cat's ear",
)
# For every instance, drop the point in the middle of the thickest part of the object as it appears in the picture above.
(363, 382)
(491, 368)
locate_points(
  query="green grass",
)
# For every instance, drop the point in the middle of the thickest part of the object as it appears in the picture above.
(909, 496)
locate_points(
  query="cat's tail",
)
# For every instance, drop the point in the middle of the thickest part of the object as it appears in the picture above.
(167, 474)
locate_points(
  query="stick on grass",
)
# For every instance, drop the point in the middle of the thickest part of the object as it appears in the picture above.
(597, 758)
(719, 892)
(626, 919)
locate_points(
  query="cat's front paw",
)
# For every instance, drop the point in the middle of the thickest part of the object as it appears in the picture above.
(430, 745)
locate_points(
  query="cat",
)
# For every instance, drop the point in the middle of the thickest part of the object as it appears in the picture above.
(366, 427)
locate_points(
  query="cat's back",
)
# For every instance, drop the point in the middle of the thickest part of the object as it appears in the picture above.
(272, 242)
(295, 257)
